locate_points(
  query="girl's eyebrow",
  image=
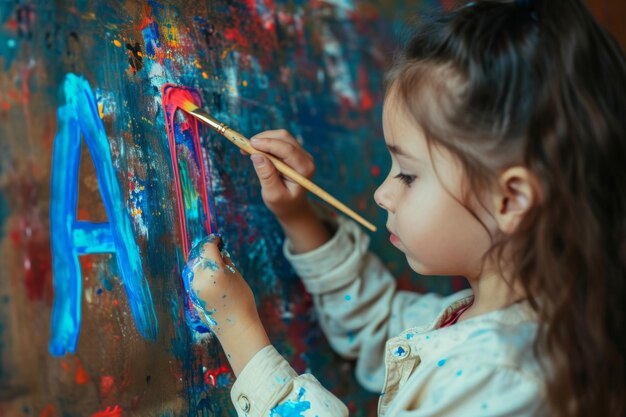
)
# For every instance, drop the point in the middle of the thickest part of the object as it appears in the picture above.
(396, 150)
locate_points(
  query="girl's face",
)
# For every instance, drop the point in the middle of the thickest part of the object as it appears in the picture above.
(423, 198)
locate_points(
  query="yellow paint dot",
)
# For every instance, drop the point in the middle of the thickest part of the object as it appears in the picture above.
(244, 83)
(139, 53)
(101, 110)
(117, 43)
(205, 75)
(198, 65)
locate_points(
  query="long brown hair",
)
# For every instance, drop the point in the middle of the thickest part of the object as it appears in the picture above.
(540, 83)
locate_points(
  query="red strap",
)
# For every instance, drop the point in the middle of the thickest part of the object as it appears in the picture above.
(455, 315)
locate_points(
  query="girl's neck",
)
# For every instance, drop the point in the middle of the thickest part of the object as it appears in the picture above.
(491, 292)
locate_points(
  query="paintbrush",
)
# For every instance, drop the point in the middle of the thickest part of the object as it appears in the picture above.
(244, 144)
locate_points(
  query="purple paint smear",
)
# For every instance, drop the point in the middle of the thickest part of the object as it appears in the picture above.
(72, 238)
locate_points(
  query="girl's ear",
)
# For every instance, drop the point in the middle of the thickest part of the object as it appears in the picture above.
(518, 191)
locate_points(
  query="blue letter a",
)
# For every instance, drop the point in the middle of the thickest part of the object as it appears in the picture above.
(71, 238)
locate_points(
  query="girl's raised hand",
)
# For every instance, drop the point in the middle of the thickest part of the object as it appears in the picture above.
(224, 301)
(283, 197)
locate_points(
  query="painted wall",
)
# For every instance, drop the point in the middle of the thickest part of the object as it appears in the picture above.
(611, 13)
(92, 308)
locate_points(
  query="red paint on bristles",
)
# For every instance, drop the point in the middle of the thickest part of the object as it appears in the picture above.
(178, 97)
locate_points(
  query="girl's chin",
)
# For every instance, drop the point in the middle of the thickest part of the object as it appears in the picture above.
(420, 268)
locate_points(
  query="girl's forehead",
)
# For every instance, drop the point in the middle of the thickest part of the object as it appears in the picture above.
(400, 127)
(396, 111)
(407, 138)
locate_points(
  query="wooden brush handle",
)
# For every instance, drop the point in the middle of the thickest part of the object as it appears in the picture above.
(243, 143)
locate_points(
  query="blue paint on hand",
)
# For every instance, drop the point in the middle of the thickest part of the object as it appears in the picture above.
(198, 316)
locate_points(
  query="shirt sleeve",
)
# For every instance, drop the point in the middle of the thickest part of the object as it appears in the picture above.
(356, 300)
(268, 386)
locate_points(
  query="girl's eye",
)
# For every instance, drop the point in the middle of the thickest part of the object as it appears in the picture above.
(407, 179)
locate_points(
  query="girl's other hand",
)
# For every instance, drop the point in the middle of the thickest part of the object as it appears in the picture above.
(224, 301)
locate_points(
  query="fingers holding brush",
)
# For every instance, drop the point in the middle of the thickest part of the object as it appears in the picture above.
(285, 147)
(282, 196)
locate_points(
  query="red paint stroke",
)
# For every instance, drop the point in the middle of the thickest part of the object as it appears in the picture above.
(134, 402)
(362, 203)
(296, 330)
(458, 283)
(235, 35)
(11, 24)
(172, 97)
(47, 411)
(109, 412)
(250, 32)
(147, 17)
(448, 5)
(86, 263)
(210, 376)
(30, 238)
(81, 376)
(37, 265)
(367, 98)
(107, 383)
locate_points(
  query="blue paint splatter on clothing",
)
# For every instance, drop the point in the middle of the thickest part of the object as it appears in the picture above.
(442, 362)
(291, 408)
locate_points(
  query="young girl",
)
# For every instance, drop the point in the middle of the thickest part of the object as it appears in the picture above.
(505, 122)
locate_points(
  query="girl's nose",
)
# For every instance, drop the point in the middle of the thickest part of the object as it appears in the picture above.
(382, 196)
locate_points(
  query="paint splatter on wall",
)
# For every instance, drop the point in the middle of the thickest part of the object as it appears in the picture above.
(86, 179)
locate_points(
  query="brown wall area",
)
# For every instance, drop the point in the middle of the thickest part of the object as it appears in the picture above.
(612, 15)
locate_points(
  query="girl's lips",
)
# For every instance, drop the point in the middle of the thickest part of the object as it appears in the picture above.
(394, 239)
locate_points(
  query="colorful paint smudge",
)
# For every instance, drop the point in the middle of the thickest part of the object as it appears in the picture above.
(190, 180)
(190, 184)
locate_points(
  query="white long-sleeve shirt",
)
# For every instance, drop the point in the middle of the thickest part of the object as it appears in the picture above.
(483, 366)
